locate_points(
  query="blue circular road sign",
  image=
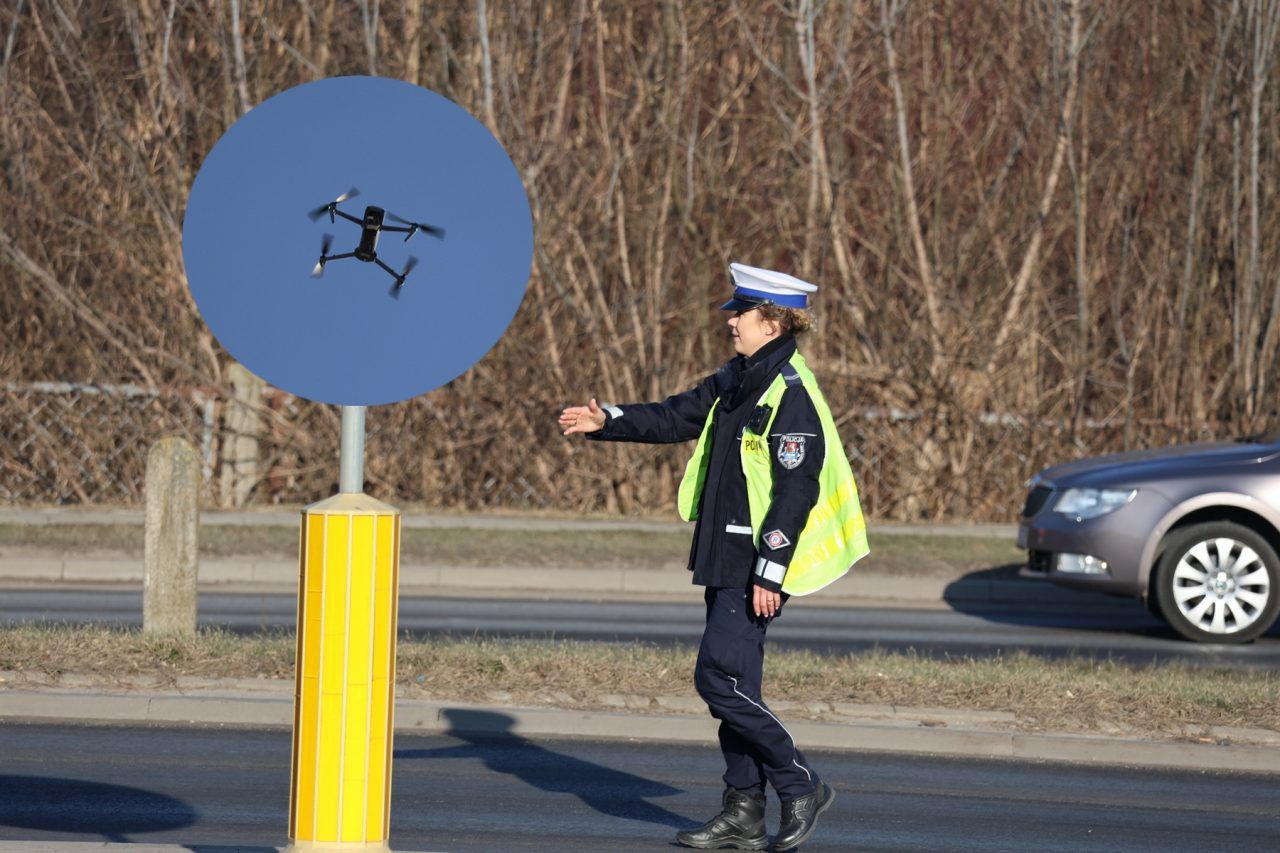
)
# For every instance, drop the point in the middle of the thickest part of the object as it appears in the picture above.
(366, 297)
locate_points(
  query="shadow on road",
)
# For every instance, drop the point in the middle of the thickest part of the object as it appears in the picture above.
(52, 804)
(488, 737)
(1041, 604)
(1044, 605)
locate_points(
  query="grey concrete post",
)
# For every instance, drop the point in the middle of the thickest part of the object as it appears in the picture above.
(170, 559)
(241, 427)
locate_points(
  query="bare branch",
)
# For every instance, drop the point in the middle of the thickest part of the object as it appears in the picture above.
(237, 46)
(923, 264)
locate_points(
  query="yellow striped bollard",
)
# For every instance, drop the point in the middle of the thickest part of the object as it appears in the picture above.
(340, 792)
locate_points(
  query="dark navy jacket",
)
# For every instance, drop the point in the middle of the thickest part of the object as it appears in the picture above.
(723, 553)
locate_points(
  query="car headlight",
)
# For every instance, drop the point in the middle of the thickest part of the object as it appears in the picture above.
(1091, 503)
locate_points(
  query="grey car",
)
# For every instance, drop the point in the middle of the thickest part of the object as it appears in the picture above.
(1193, 530)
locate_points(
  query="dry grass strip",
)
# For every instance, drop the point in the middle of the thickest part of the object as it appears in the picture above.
(893, 554)
(1073, 695)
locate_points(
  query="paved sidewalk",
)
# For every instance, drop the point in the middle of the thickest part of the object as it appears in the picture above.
(34, 567)
(849, 726)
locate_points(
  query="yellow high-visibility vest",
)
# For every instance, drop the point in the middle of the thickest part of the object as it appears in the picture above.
(835, 536)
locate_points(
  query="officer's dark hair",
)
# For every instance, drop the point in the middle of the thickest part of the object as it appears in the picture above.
(792, 321)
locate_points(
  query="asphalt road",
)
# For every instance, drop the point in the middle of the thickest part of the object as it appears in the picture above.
(1113, 628)
(206, 786)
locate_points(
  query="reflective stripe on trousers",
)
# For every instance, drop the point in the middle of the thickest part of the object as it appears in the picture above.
(757, 747)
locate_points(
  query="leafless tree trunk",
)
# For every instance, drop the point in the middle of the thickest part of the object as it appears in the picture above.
(1079, 165)
(237, 46)
(413, 41)
(807, 49)
(1263, 17)
(1225, 27)
(889, 13)
(11, 39)
(1186, 370)
(486, 64)
(1071, 60)
(369, 20)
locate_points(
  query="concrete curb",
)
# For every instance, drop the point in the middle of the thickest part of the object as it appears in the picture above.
(862, 728)
(482, 581)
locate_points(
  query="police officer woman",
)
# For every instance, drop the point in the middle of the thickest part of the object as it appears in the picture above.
(777, 514)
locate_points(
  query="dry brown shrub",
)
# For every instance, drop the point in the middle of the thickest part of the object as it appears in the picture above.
(1041, 232)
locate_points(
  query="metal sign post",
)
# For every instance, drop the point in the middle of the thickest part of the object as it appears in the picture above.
(351, 452)
(344, 692)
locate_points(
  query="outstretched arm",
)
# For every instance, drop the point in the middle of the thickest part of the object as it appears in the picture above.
(677, 418)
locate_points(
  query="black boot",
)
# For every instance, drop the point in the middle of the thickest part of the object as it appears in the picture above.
(800, 817)
(740, 826)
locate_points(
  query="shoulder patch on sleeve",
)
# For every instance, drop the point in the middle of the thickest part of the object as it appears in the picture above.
(776, 539)
(791, 449)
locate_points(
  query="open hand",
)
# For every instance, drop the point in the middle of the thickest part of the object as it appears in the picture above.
(576, 419)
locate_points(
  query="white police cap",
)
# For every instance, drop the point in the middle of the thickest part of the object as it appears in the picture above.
(753, 286)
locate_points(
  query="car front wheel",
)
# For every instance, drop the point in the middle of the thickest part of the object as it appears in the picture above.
(1218, 582)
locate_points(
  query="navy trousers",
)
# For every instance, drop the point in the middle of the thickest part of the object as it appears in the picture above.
(756, 746)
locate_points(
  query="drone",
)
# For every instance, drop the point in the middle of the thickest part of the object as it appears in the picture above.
(371, 228)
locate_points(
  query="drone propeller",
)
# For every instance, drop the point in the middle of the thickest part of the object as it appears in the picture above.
(325, 242)
(328, 208)
(415, 227)
(399, 283)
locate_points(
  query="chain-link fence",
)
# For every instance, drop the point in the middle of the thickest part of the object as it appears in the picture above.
(74, 443)
(64, 443)
(67, 443)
